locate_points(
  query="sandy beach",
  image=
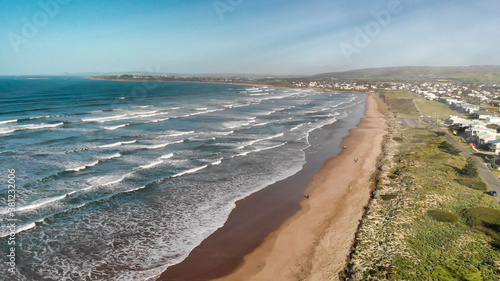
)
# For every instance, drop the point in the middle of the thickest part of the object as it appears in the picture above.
(292, 238)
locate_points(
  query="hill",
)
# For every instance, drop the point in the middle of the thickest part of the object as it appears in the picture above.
(485, 73)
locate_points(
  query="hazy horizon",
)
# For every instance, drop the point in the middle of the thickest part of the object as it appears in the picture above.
(53, 37)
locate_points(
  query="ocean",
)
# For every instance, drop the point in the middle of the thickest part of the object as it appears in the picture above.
(117, 180)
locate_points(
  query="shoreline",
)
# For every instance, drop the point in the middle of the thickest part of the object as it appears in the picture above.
(243, 84)
(236, 251)
(323, 231)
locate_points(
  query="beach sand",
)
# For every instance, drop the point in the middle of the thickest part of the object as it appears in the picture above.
(277, 234)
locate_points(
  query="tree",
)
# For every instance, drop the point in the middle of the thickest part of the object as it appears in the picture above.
(469, 168)
(448, 148)
(492, 126)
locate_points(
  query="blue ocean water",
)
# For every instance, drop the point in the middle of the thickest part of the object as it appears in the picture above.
(118, 180)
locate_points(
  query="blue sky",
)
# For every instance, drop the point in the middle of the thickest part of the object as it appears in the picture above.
(243, 36)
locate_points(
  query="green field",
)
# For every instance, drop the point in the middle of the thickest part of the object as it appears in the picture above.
(400, 103)
(435, 109)
(399, 95)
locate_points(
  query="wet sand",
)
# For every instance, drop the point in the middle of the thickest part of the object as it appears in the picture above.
(278, 234)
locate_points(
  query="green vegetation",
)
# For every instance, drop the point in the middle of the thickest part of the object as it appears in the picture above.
(470, 169)
(492, 126)
(401, 103)
(388, 196)
(436, 109)
(399, 95)
(440, 226)
(449, 148)
(474, 183)
(442, 216)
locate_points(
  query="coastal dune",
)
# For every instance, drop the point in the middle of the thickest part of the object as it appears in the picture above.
(315, 242)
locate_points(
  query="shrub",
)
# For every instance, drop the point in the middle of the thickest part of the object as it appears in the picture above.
(474, 183)
(480, 215)
(470, 168)
(448, 148)
(395, 172)
(492, 126)
(443, 216)
(486, 220)
(388, 197)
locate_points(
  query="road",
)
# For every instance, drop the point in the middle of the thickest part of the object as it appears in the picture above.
(409, 122)
(484, 172)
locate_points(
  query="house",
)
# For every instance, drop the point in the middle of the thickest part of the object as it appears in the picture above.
(480, 134)
(494, 146)
(482, 115)
(492, 120)
(463, 123)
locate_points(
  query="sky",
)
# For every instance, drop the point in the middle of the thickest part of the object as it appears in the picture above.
(275, 37)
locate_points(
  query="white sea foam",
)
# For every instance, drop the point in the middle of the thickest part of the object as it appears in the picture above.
(8, 121)
(71, 193)
(224, 133)
(204, 112)
(296, 127)
(116, 127)
(37, 126)
(112, 156)
(260, 124)
(106, 119)
(79, 168)
(180, 134)
(190, 171)
(135, 189)
(158, 120)
(240, 105)
(42, 117)
(161, 145)
(116, 180)
(259, 140)
(117, 144)
(147, 115)
(258, 150)
(218, 162)
(254, 89)
(39, 203)
(150, 165)
(6, 131)
(166, 156)
(238, 124)
(19, 229)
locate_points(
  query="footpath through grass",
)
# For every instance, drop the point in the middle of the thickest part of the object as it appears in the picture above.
(427, 220)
